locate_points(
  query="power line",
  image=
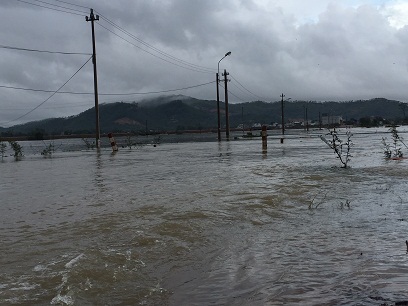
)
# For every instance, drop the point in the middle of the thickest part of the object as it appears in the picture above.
(246, 88)
(152, 54)
(170, 59)
(152, 47)
(42, 51)
(242, 100)
(50, 95)
(65, 2)
(229, 91)
(53, 9)
(66, 105)
(107, 94)
(156, 92)
(239, 88)
(58, 6)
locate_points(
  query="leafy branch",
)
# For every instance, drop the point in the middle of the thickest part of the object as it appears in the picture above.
(18, 150)
(314, 204)
(3, 147)
(340, 147)
(393, 150)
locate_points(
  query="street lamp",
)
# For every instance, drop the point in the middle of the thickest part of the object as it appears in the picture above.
(218, 95)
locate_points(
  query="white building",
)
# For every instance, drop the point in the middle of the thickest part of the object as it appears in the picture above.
(328, 119)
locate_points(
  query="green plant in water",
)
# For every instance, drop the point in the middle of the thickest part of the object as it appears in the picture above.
(313, 204)
(3, 147)
(89, 145)
(18, 150)
(48, 150)
(129, 142)
(345, 204)
(340, 147)
(393, 150)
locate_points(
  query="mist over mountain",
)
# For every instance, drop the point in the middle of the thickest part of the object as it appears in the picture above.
(180, 113)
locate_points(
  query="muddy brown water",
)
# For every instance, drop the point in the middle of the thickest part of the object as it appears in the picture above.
(205, 223)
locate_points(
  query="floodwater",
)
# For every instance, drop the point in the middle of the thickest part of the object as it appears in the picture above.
(205, 223)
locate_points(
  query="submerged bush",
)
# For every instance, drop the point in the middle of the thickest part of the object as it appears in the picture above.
(89, 145)
(48, 150)
(18, 150)
(340, 147)
(3, 147)
(393, 150)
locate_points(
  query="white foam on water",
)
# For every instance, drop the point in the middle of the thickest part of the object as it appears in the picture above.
(72, 262)
(23, 286)
(39, 268)
(64, 299)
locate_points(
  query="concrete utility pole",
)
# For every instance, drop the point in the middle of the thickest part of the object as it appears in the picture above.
(218, 108)
(283, 120)
(242, 119)
(218, 94)
(307, 121)
(320, 121)
(92, 18)
(227, 129)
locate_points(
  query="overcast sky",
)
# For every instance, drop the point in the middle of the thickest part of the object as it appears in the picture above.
(309, 50)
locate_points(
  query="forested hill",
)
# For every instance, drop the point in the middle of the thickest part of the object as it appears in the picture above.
(184, 113)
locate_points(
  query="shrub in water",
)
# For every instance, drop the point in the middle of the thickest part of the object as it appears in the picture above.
(393, 150)
(48, 150)
(3, 147)
(340, 147)
(18, 150)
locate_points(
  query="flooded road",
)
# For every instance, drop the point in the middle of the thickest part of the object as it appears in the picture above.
(205, 223)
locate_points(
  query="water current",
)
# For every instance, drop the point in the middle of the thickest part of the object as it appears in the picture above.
(205, 223)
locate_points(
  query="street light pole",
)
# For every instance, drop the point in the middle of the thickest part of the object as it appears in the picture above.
(218, 109)
(218, 95)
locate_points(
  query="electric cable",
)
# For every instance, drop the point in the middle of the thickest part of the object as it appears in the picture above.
(59, 6)
(107, 94)
(152, 54)
(239, 88)
(29, 112)
(171, 59)
(232, 94)
(247, 89)
(77, 5)
(42, 51)
(53, 9)
(209, 70)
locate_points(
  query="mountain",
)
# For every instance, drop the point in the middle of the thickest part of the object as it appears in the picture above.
(177, 113)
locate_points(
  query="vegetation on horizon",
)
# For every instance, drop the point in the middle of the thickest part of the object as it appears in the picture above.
(180, 114)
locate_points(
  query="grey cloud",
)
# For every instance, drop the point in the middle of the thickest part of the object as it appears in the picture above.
(345, 53)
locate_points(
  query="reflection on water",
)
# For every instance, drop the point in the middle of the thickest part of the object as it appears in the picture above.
(201, 223)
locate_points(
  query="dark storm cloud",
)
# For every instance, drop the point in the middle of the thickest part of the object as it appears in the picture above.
(319, 51)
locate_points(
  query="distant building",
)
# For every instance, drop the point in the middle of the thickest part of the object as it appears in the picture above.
(328, 119)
